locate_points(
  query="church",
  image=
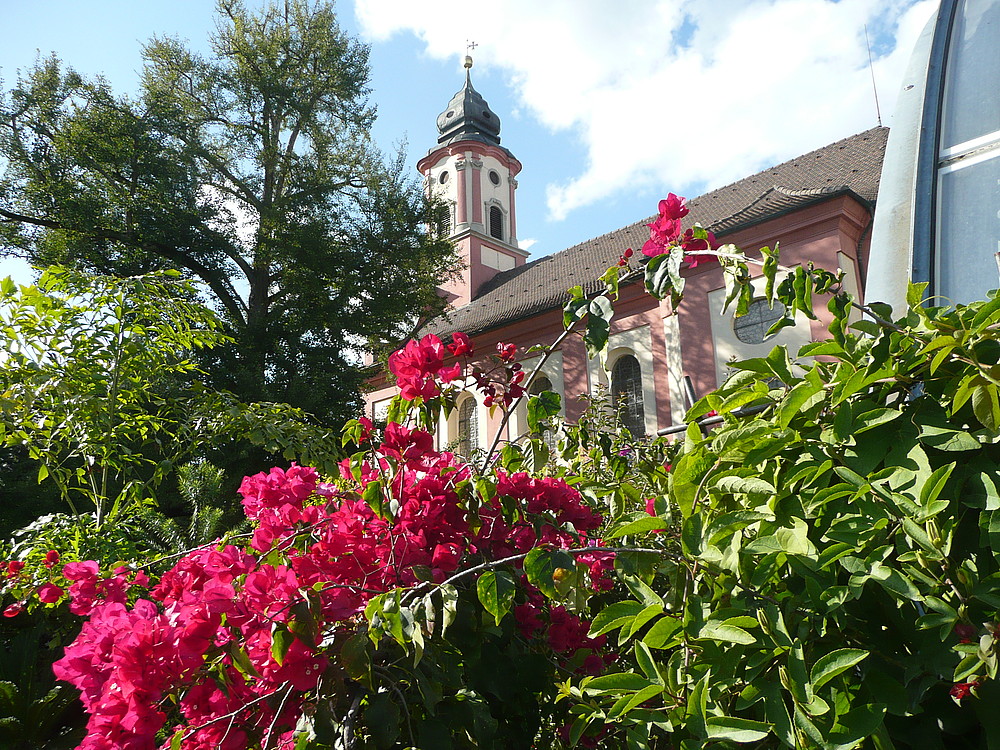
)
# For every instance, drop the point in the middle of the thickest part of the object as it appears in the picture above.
(818, 207)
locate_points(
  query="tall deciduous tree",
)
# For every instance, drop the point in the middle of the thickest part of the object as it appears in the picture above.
(252, 171)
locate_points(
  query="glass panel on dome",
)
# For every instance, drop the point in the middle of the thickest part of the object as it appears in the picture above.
(971, 107)
(969, 229)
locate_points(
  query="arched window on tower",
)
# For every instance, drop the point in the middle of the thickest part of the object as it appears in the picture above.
(626, 394)
(496, 222)
(444, 221)
(468, 428)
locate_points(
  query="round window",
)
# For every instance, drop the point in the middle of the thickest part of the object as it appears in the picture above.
(450, 113)
(752, 327)
(443, 177)
(494, 177)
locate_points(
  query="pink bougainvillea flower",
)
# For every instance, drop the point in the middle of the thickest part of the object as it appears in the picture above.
(506, 352)
(460, 345)
(448, 374)
(665, 230)
(651, 506)
(49, 593)
(673, 206)
(416, 365)
(51, 558)
(405, 444)
(14, 609)
(14, 568)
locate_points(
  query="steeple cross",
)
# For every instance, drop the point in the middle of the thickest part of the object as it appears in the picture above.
(469, 46)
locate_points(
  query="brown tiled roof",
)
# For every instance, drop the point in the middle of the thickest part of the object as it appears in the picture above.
(852, 165)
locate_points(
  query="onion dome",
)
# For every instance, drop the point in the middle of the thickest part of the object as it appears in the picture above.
(468, 117)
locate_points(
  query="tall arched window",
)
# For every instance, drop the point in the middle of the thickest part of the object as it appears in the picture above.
(468, 428)
(626, 393)
(496, 222)
(540, 385)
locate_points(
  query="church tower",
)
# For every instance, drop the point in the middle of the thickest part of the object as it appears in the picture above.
(474, 176)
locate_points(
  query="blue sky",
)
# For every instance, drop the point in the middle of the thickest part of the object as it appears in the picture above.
(608, 105)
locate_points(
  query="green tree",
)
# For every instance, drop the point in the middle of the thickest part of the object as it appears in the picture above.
(100, 386)
(251, 171)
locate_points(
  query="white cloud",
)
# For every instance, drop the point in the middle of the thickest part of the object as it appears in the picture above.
(676, 92)
(526, 244)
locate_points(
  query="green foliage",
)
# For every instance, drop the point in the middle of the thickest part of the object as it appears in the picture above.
(831, 570)
(99, 386)
(94, 380)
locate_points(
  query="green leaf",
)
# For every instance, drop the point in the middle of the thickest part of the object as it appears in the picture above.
(281, 641)
(934, 484)
(990, 521)
(948, 440)
(874, 418)
(496, 591)
(736, 729)
(627, 702)
(713, 630)
(540, 566)
(541, 407)
(449, 606)
(986, 406)
(747, 485)
(615, 615)
(663, 275)
(697, 708)
(834, 663)
(620, 682)
(598, 326)
(855, 725)
(796, 400)
(653, 610)
(639, 526)
(644, 658)
(660, 634)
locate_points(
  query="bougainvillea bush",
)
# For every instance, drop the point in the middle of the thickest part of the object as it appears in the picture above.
(812, 564)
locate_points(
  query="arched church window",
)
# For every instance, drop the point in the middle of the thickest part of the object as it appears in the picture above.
(626, 393)
(496, 222)
(468, 428)
(539, 385)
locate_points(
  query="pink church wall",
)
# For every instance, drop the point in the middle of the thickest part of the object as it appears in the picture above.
(828, 233)
(816, 233)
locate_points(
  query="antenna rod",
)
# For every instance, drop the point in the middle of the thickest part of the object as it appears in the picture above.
(871, 68)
